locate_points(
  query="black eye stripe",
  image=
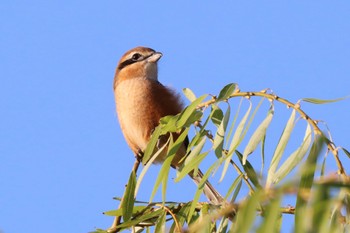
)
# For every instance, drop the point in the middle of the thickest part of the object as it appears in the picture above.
(126, 63)
(131, 61)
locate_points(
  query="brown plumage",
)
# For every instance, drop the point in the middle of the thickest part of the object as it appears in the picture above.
(142, 100)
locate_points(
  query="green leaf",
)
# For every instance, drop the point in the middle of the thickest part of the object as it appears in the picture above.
(188, 112)
(271, 216)
(223, 226)
(237, 137)
(236, 140)
(196, 116)
(192, 160)
(237, 183)
(323, 166)
(189, 94)
(149, 164)
(229, 134)
(173, 149)
(151, 145)
(335, 227)
(168, 124)
(129, 197)
(346, 152)
(307, 180)
(319, 101)
(192, 165)
(280, 148)
(226, 92)
(309, 167)
(249, 169)
(199, 135)
(216, 115)
(181, 217)
(247, 214)
(257, 136)
(150, 216)
(163, 175)
(160, 225)
(119, 212)
(220, 134)
(251, 118)
(321, 207)
(295, 158)
(202, 133)
(262, 154)
(200, 190)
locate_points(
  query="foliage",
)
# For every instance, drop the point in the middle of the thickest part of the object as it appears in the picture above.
(293, 168)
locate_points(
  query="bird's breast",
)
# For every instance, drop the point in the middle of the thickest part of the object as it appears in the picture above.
(135, 109)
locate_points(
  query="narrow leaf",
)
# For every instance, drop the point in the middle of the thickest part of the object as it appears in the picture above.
(319, 101)
(247, 214)
(202, 133)
(223, 226)
(257, 136)
(307, 180)
(147, 216)
(200, 190)
(249, 169)
(321, 207)
(226, 92)
(189, 94)
(233, 124)
(147, 166)
(188, 112)
(118, 212)
(192, 165)
(181, 217)
(151, 145)
(129, 197)
(168, 124)
(173, 149)
(262, 154)
(309, 167)
(346, 152)
(280, 148)
(216, 115)
(233, 186)
(220, 134)
(179, 142)
(237, 190)
(236, 140)
(295, 158)
(192, 160)
(160, 225)
(162, 176)
(237, 135)
(271, 216)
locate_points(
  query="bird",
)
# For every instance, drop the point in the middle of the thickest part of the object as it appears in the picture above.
(141, 101)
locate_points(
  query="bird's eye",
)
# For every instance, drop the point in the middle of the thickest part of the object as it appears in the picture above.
(136, 56)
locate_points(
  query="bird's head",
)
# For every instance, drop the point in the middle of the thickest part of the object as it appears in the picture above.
(139, 62)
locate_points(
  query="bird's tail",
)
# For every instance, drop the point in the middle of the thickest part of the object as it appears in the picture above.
(209, 191)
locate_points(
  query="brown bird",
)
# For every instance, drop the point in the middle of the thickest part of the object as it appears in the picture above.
(141, 101)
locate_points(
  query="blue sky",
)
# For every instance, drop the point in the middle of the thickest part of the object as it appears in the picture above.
(62, 155)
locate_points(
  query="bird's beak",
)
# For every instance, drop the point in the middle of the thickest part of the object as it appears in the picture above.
(154, 57)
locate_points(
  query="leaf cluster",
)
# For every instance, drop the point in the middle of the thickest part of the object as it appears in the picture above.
(291, 168)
